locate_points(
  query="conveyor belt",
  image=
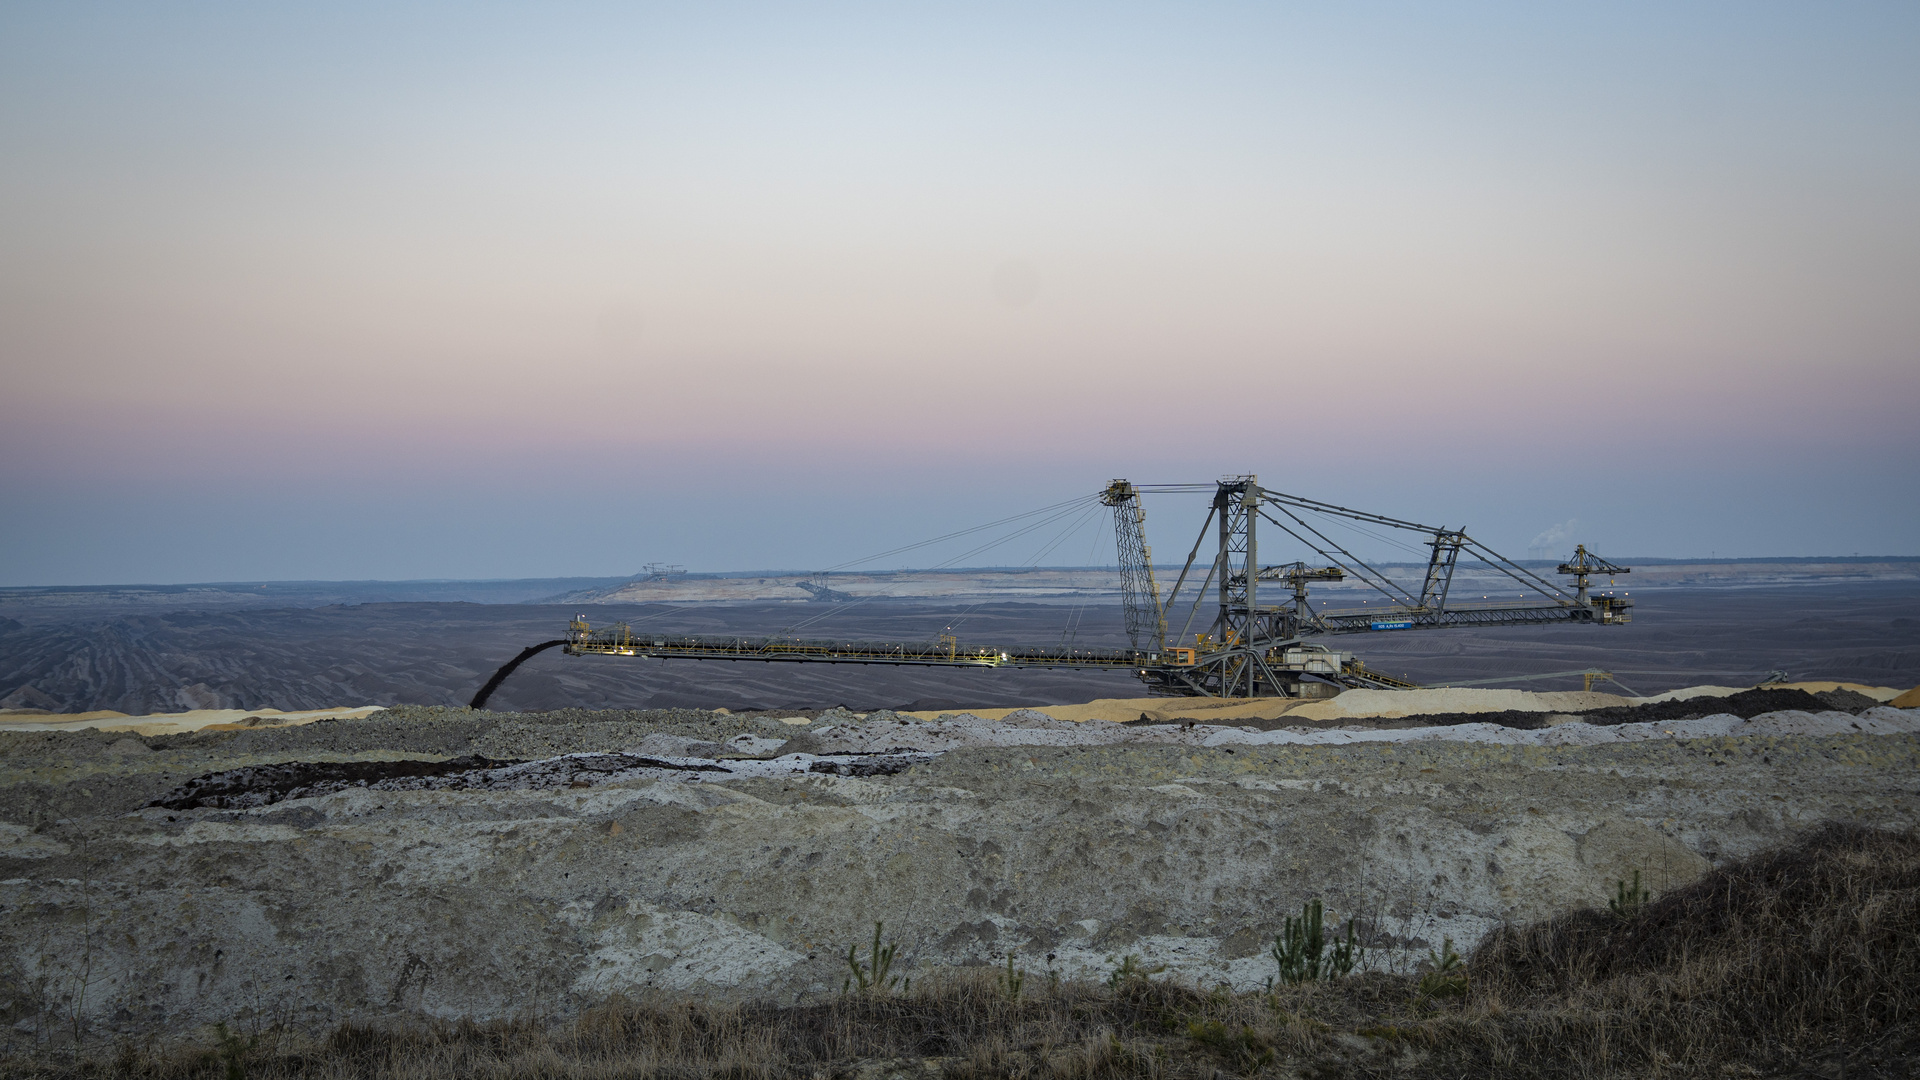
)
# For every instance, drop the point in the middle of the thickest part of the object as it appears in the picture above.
(618, 641)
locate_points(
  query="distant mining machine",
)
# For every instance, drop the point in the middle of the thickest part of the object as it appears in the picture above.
(1249, 647)
(1255, 649)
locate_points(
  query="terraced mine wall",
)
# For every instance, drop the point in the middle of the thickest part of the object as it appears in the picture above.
(134, 902)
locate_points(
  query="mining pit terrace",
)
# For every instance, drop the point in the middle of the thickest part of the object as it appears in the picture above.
(443, 862)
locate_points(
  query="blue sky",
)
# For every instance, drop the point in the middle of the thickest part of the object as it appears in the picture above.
(368, 291)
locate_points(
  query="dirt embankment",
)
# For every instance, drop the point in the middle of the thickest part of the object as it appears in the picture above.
(361, 901)
(1788, 963)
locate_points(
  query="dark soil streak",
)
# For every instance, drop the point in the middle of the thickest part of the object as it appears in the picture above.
(261, 785)
(1746, 705)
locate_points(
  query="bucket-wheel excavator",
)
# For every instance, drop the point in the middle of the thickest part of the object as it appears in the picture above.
(1255, 649)
(1248, 647)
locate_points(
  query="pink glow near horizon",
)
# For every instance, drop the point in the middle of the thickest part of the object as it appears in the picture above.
(374, 250)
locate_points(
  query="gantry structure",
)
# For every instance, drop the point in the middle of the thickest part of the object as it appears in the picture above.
(1263, 636)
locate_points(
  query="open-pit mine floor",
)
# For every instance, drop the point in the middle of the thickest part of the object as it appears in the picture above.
(450, 863)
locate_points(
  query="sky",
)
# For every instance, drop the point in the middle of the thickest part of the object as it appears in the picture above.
(357, 291)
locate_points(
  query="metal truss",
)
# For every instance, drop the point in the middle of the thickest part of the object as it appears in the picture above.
(1249, 648)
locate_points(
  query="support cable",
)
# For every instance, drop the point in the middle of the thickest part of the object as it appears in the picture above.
(1078, 524)
(1198, 596)
(1071, 506)
(1192, 555)
(1357, 515)
(1015, 535)
(1493, 559)
(1070, 631)
(1506, 566)
(959, 533)
(1386, 585)
(1371, 535)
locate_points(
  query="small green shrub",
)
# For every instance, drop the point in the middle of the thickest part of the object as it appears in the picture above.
(1347, 951)
(1013, 980)
(1628, 899)
(1130, 970)
(1446, 977)
(1300, 951)
(875, 975)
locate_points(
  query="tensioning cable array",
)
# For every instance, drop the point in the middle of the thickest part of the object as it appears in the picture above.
(1248, 648)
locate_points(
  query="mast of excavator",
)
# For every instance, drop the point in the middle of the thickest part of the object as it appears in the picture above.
(1139, 593)
(1235, 503)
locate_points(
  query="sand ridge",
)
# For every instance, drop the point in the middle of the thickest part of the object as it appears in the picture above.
(176, 723)
(1353, 704)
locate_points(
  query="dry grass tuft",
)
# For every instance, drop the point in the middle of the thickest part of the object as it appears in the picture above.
(1795, 962)
(1803, 950)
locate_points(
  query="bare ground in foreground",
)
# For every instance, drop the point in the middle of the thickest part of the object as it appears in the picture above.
(1799, 961)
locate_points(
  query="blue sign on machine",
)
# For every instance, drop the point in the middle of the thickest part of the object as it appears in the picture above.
(1403, 624)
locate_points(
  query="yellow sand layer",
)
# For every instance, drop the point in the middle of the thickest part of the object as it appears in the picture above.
(1462, 699)
(1379, 704)
(174, 723)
